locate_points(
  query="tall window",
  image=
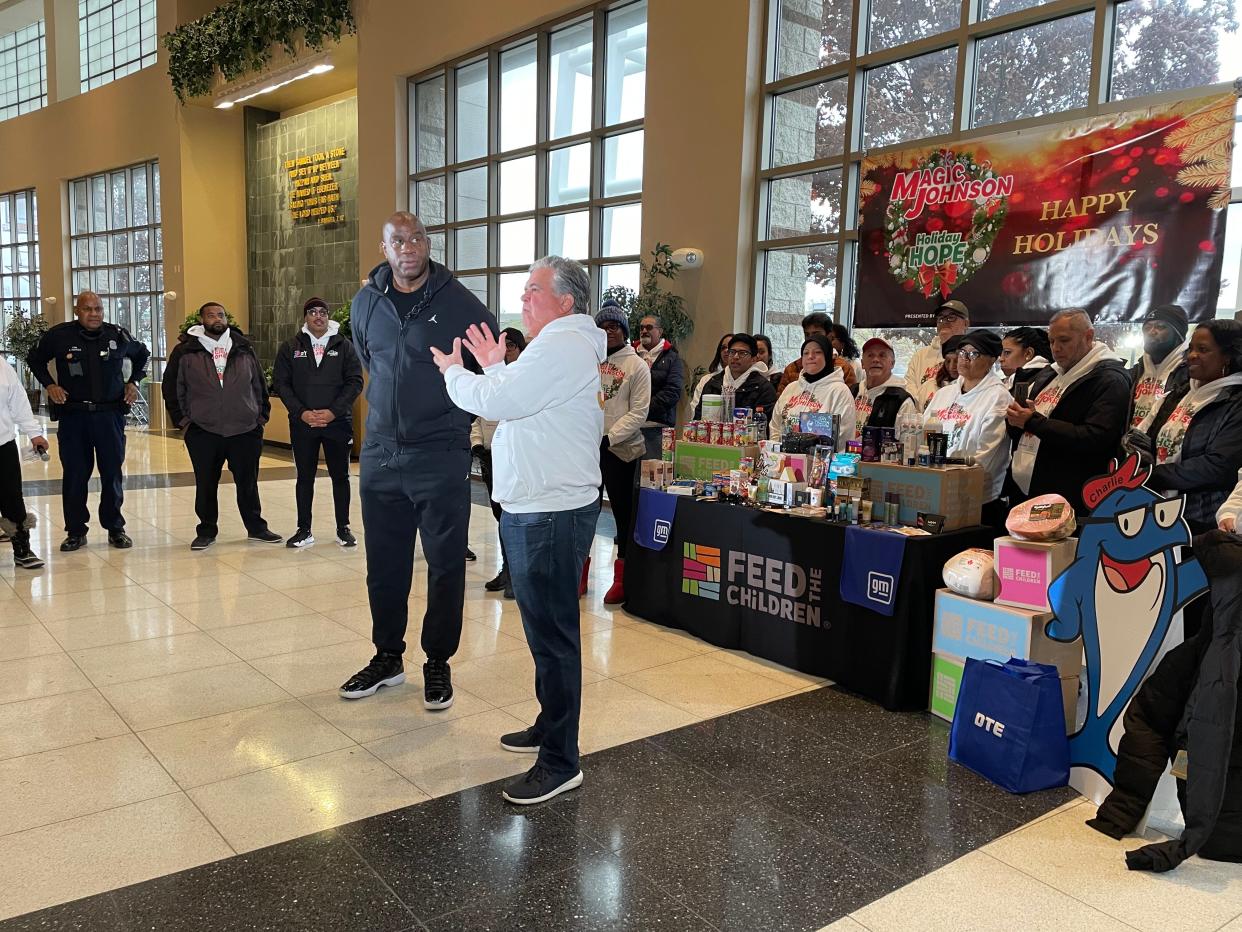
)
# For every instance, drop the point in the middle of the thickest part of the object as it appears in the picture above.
(23, 71)
(117, 250)
(115, 38)
(19, 256)
(535, 146)
(938, 71)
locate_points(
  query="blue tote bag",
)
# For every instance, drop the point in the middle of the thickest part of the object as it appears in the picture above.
(1009, 725)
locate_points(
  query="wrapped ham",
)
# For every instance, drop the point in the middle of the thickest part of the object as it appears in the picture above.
(972, 573)
(1044, 517)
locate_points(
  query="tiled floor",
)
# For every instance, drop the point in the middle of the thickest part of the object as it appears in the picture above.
(156, 690)
(173, 755)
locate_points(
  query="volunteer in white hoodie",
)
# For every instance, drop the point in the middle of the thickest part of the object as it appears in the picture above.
(882, 396)
(1163, 368)
(546, 457)
(747, 376)
(820, 388)
(625, 381)
(15, 414)
(952, 318)
(971, 410)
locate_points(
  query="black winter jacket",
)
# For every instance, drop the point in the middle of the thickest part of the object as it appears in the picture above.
(1190, 702)
(193, 393)
(668, 378)
(407, 401)
(1211, 455)
(1080, 436)
(755, 393)
(332, 385)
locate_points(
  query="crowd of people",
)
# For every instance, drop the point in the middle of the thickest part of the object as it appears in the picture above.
(562, 411)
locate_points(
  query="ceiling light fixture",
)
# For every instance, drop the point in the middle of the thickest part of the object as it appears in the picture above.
(231, 95)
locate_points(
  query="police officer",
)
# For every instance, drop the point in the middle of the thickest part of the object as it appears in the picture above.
(97, 369)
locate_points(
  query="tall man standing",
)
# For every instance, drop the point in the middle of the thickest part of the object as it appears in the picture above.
(667, 381)
(215, 391)
(551, 419)
(98, 367)
(415, 462)
(952, 319)
(317, 375)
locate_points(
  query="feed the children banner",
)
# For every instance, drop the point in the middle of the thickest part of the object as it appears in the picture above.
(1113, 214)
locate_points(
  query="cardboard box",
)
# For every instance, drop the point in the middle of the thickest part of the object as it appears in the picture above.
(655, 474)
(703, 460)
(1026, 568)
(954, 491)
(972, 628)
(946, 682)
(783, 492)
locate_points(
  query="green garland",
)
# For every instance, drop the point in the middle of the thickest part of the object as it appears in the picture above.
(237, 39)
(986, 222)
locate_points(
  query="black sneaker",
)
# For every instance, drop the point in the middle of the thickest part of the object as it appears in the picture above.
(266, 536)
(303, 538)
(202, 542)
(23, 556)
(120, 540)
(501, 581)
(385, 669)
(345, 538)
(538, 785)
(521, 742)
(73, 542)
(470, 557)
(437, 685)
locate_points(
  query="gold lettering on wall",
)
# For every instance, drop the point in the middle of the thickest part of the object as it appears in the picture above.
(314, 192)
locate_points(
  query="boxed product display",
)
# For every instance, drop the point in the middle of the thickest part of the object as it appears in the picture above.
(953, 491)
(655, 474)
(966, 627)
(946, 680)
(702, 460)
(784, 491)
(1026, 568)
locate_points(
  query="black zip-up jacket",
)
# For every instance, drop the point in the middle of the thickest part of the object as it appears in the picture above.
(406, 398)
(1080, 436)
(755, 393)
(667, 381)
(1211, 456)
(332, 385)
(193, 393)
(90, 367)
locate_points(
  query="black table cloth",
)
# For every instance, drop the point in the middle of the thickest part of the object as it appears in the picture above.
(769, 584)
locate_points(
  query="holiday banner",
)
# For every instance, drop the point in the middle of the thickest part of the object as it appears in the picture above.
(1113, 214)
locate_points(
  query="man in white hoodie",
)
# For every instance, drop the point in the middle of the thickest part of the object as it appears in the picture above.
(626, 383)
(1163, 368)
(882, 398)
(15, 414)
(952, 319)
(545, 453)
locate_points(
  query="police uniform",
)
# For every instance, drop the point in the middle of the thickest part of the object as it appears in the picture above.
(93, 369)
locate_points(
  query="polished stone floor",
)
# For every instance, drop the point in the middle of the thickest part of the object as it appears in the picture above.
(173, 756)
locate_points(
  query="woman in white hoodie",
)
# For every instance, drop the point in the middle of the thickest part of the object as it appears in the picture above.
(820, 388)
(971, 410)
(625, 381)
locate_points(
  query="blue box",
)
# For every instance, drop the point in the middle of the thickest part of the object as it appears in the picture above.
(968, 627)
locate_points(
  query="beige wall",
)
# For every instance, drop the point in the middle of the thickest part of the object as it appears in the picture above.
(699, 153)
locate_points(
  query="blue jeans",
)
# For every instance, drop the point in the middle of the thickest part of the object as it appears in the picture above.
(546, 551)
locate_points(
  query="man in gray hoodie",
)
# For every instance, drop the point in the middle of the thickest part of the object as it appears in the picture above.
(215, 392)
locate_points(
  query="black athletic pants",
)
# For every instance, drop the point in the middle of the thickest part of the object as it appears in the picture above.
(209, 452)
(619, 481)
(306, 443)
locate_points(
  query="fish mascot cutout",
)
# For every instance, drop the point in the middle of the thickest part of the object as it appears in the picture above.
(1120, 596)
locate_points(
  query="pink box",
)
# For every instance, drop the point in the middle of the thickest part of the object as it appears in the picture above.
(1026, 568)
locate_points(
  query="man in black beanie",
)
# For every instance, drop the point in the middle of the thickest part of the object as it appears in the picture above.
(1163, 368)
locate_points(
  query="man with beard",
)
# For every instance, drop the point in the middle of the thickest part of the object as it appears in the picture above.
(1163, 368)
(98, 368)
(214, 390)
(415, 463)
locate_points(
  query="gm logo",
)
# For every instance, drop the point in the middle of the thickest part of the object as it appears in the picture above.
(880, 587)
(662, 530)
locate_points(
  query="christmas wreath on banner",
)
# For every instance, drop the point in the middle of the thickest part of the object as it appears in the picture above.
(987, 216)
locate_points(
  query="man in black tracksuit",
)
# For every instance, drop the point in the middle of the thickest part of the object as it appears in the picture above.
(415, 461)
(317, 375)
(214, 390)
